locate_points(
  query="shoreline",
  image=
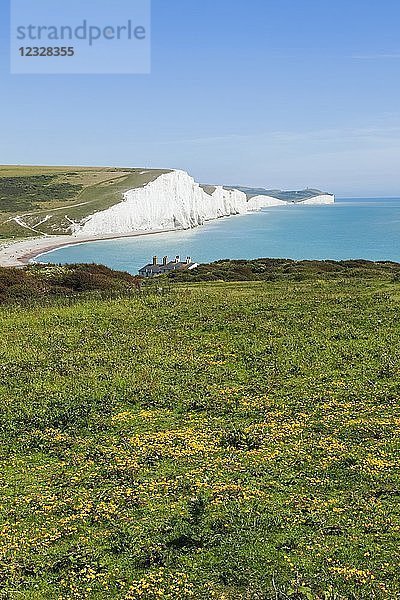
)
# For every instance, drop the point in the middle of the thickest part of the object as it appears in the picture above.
(19, 253)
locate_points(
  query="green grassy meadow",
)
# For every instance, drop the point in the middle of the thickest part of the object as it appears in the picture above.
(208, 440)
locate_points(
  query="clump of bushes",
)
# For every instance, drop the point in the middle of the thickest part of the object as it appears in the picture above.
(273, 269)
(86, 278)
(51, 280)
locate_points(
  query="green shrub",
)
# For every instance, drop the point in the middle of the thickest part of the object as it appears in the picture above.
(50, 280)
(272, 269)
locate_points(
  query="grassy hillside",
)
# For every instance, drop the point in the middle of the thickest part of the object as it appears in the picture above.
(218, 440)
(35, 200)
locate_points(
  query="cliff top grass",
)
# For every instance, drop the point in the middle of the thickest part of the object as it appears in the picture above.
(234, 441)
(36, 200)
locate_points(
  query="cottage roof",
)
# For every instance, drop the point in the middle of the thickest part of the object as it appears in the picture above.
(173, 265)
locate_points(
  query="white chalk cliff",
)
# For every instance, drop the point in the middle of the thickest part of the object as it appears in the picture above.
(173, 201)
(322, 199)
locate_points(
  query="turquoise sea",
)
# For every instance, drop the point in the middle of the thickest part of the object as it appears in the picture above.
(352, 228)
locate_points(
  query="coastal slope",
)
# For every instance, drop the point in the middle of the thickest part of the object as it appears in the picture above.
(174, 200)
(42, 208)
(38, 201)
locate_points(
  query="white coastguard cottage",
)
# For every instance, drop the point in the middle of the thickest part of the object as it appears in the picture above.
(153, 269)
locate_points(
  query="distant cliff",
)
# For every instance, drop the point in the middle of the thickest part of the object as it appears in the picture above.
(308, 196)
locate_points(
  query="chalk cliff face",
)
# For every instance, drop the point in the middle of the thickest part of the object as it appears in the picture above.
(172, 201)
(322, 199)
(259, 202)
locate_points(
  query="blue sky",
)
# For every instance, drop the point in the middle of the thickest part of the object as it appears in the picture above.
(282, 93)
